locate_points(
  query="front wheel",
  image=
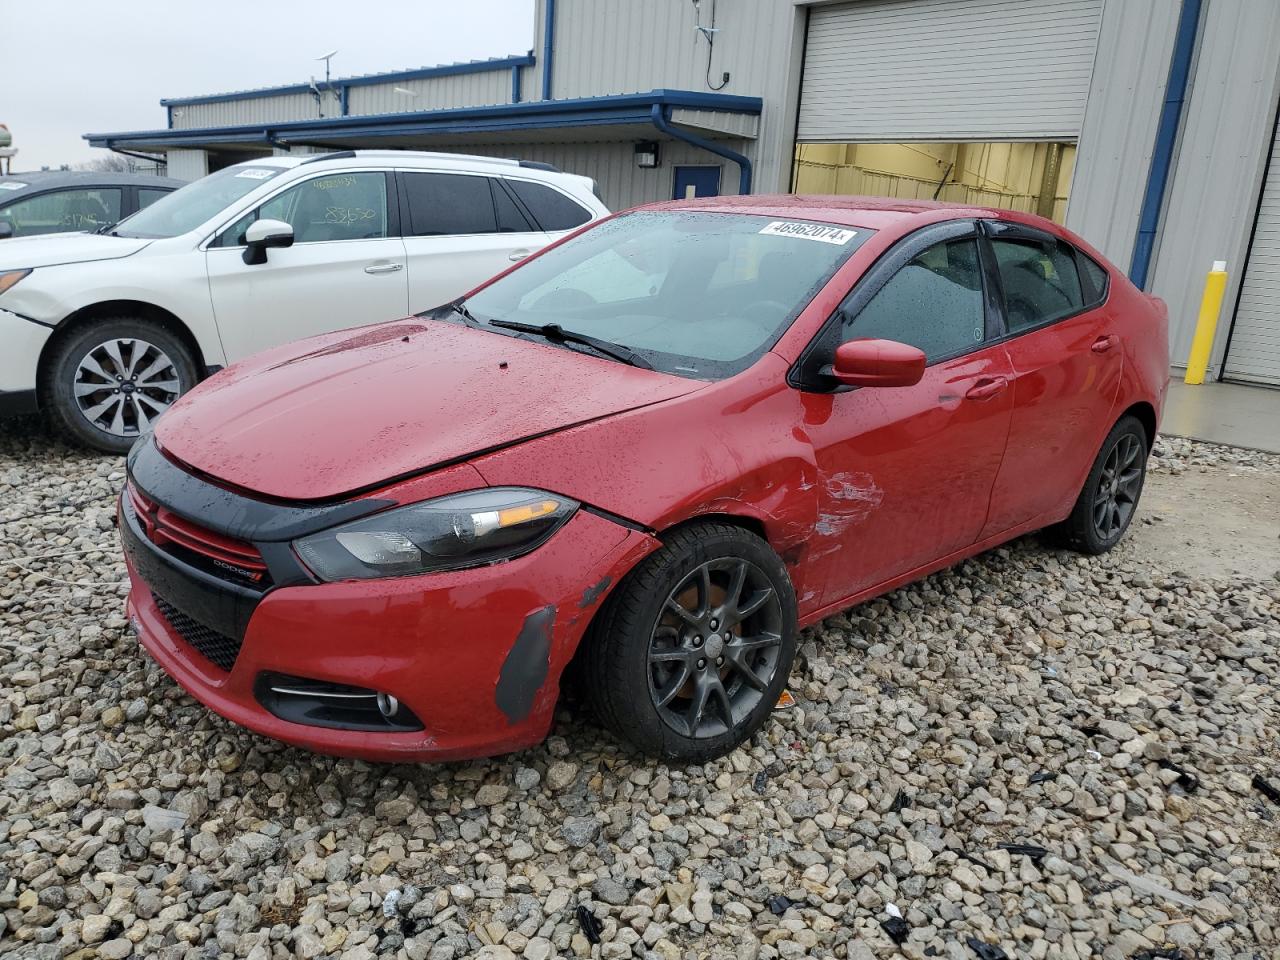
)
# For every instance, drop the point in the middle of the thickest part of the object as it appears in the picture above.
(693, 649)
(1106, 505)
(110, 379)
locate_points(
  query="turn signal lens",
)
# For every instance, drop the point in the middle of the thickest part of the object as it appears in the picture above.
(7, 280)
(461, 530)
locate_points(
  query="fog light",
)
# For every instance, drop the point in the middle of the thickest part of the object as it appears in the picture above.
(388, 705)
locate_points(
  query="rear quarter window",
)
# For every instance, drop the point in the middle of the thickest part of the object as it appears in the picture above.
(549, 207)
(1095, 277)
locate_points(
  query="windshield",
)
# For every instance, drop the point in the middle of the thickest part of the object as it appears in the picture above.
(188, 207)
(695, 294)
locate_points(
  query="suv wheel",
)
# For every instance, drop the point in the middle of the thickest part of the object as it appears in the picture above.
(109, 380)
(693, 649)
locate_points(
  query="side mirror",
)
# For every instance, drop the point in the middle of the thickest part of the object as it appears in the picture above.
(6, 229)
(878, 363)
(263, 234)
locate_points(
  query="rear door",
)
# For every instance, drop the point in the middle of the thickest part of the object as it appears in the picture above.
(459, 230)
(906, 473)
(346, 266)
(1065, 349)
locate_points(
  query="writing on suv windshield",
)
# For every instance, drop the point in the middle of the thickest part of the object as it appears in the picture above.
(696, 294)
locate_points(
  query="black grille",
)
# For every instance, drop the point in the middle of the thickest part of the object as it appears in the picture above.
(217, 648)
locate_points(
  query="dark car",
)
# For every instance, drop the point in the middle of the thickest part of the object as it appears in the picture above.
(57, 201)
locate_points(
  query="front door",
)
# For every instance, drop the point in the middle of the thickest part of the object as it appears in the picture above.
(346, 267)
(905, 473)
(696, 181)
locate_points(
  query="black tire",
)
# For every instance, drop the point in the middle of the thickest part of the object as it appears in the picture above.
(1107, 503)
(64, 375)
(620, 666)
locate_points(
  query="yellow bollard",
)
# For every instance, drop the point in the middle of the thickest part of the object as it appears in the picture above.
(1215, 285)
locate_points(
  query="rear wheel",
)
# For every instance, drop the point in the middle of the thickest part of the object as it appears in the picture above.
(108, 381)
(1106, 505)
(693, 649)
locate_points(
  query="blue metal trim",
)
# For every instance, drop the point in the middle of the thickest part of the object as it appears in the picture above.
(584, 111)
(548, 45)
(1184, 46)
(515, 84)
(661, 118)
(363, 80)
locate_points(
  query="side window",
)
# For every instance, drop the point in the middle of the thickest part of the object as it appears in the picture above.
(149, 195)
(551, 208)
(63, 210)
(1096, 277)
(345, 206)
(1040, 280)
(341, 206)
(447, 204)
(511, 219)
(934, 303)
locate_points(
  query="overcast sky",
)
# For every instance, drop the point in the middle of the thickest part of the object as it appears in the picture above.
(71, 67)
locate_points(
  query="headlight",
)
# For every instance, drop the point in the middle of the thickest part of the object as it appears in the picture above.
(8, 279)
(460, 530)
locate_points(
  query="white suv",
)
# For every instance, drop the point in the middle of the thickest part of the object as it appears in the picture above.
(104, 332)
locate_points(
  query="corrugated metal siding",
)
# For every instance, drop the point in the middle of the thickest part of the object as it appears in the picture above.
(1135, 43)
(613, 166)
(900, 70)
(433, 93)
(1254, 353)
(736, 125)
(224, 113)
(1226, 130)
(187, 164)
(624, 46)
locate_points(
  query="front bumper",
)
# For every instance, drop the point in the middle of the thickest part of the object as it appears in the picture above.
(21, 342)
(475, 655)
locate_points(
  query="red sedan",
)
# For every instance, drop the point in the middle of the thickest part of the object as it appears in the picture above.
(656, 450)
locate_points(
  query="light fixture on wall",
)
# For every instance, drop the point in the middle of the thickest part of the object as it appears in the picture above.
(647, 154)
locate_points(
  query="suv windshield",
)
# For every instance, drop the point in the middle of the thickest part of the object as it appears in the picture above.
(187, 208)
(696, 294)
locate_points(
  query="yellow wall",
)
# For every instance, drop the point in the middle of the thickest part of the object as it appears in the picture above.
(992, 174)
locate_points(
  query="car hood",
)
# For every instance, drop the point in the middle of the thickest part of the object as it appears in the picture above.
(18, 253)
(351, 411)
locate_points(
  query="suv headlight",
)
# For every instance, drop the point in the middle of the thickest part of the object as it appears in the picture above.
(9, 278)
(448, 533)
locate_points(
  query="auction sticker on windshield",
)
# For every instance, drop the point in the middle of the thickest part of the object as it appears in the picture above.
(256, 173)
(810, 231)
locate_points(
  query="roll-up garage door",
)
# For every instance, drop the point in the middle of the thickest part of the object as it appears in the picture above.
(1254, 351)
(947, 70)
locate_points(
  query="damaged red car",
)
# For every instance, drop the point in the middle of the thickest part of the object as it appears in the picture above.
(645, 458)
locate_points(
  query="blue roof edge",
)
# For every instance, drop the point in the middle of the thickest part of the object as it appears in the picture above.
(515, 112)
(360, 80)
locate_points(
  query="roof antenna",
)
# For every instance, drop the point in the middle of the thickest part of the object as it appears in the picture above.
(328, 87)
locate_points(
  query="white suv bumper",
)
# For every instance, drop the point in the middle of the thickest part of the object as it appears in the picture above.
(21, 341)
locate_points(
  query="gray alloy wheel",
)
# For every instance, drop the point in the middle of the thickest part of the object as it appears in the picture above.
(716, 648)
(1118, 486)
(123, 384)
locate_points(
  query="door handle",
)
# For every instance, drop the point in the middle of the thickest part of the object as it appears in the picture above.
(383, 267)
(517, 255)
(987, 388)
(1103, 344)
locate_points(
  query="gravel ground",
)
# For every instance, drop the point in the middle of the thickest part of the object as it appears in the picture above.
(1110, 713)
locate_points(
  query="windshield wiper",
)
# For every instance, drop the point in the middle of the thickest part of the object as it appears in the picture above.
(558, 334)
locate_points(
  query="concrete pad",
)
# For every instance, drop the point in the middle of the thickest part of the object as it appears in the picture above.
(1230, 413)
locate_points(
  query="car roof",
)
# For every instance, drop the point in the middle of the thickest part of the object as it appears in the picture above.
(873, 213)
(54, 179)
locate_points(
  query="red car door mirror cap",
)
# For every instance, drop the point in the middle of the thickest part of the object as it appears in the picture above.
(878, 363)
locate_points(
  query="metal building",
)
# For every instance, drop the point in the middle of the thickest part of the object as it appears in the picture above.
(1147, 125)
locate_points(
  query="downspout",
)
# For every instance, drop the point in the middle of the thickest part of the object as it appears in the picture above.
(515, 84)
(662, 120)
(1184, 46)
(548, 41)
(344, 99)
